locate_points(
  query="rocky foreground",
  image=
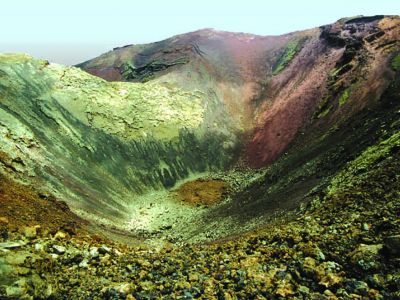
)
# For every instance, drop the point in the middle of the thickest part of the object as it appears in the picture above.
(344, 245)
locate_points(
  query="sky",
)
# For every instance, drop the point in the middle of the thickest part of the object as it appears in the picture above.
(72, 31)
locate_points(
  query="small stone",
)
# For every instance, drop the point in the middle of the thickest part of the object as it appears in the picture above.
(342, 292)
(124, 288)
(74, 255)
(104, 249)
(319, 255)
(3, 221)
(146, 285)
(309, 266)
(193, 277)
(328, 293)
(94, 252)
(374, 294)
(183, 285)
(59, 249)
(39, 247)
(30, 231)
(12, 245)
(326, 274)
(227, 296)
(60, 235)
(365, 227)
(284, 289)
(360, 287)
(84, 264)
(303, 290)
(105, 258)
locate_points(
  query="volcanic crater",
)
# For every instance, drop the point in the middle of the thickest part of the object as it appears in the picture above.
(243, 151)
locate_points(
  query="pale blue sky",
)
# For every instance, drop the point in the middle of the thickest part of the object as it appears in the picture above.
(71, 31)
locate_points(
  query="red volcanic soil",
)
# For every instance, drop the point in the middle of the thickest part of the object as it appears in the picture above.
(203, 191)
(292, 102)
(289, 109)
(111, 74)
(21, 206)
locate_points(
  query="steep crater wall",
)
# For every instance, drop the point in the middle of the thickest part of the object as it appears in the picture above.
(72, 134)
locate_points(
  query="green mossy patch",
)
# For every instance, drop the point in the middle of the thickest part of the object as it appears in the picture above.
(396, 62)
(344, 97)
(338, 71)
(324, 112)
(326, 106)
(290, 51)
(350, 176)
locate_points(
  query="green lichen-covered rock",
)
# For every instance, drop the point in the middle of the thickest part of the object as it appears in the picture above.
(127, 110)
(99, 144)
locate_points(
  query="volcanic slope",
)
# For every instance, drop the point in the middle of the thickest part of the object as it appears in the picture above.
(302, 104)
(275, 88)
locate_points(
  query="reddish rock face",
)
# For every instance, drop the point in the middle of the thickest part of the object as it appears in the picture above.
(277, 91)
(111, 74)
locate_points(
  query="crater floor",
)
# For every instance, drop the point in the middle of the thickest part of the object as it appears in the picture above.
(186, 212)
